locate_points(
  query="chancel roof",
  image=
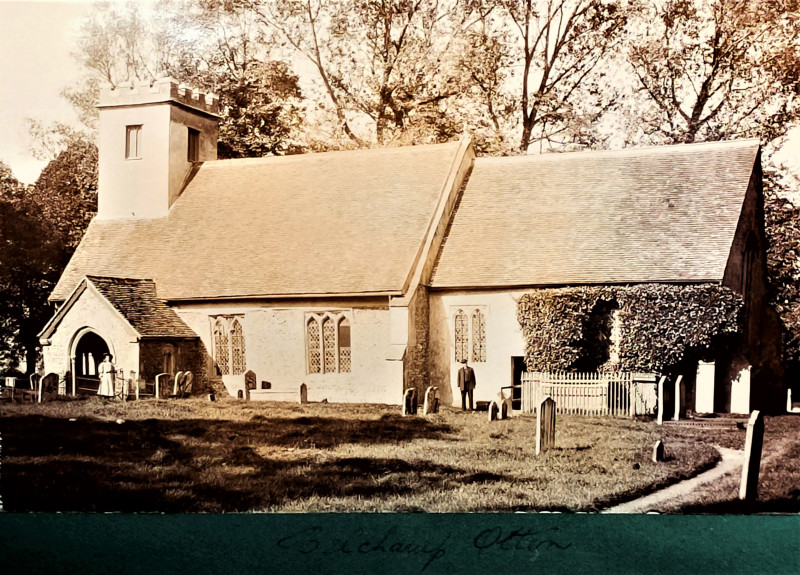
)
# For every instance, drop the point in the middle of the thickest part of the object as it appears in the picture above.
(666, 214)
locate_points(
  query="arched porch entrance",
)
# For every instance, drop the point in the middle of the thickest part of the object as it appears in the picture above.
(88, 349)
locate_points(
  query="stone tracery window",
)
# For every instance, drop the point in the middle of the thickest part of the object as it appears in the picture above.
(314, 355)
(462, 336)
(478, 336)
(470, 335)
(328, 343)
(229, 346)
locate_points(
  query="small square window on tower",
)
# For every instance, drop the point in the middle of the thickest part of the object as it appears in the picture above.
(133, 142)
(193, 154)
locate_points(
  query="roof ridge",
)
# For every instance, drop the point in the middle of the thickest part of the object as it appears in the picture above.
(623, 152)
(299, 157)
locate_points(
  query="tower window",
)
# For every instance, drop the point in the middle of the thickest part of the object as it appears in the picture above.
(133, 142)
(193, 154)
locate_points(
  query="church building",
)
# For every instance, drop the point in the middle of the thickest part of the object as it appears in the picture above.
(361, 273)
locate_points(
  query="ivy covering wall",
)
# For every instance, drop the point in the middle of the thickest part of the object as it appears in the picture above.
(659, 324)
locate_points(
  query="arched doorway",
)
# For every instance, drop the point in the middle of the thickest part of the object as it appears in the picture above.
(89, 353)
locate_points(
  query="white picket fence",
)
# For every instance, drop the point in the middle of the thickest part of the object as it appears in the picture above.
(616, 394)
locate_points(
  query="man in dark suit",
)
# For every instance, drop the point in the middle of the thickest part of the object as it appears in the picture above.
(466, 383)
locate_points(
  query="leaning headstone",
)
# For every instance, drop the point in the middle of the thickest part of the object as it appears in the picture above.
(546, 425)
(303, 393)
(162, 382)
(493, 410)
(748, 488)
(658, 451)
(177, 382)
(410, 402)
(431, 404)
(186, 388)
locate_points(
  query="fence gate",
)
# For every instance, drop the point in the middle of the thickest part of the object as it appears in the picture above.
(619, 394)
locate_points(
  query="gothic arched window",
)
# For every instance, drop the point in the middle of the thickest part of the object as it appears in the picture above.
(478, 336)
(314, 355)
(470, 335)
(229, 348)
(462, 336)
(328, 343)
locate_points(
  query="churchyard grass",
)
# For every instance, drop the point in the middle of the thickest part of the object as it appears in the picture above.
(779, 477)
(197, 456)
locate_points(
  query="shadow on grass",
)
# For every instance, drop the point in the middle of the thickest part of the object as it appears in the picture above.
(208, 465)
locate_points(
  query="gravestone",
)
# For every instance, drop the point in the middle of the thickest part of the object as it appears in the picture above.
(303, 393)
(177, 382)
(545, 425)
(431, 404)
(48, 386)
(162, 382)
(658, 451)
(493, 410)
(266, 385)
(410, 402)
(677, 399)
(748, 488)
(240, 394)
(660, 407)
(250, 379)
(63, 383)
(186, 387)
(504, 405)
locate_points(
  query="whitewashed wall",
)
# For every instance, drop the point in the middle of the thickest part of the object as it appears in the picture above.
(503, 341)
(275, 341)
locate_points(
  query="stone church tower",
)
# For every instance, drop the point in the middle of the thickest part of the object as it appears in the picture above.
(151, 138)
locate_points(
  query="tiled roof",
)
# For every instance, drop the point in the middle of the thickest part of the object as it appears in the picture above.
(329, 223)
(636, 215)
(137, 301)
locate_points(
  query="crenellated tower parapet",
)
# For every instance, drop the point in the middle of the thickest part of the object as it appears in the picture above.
(161, 90)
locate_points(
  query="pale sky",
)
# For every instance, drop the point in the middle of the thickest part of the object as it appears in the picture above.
(37, 38)
(36, 41)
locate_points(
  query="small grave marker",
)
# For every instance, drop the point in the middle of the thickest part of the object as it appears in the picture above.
(658, 451)
(677, 413)
(48, 386)
(162, 381)
(546, 425)
(493, 410)
(410, 402)
(303, 393)
(250, 379)
(431, 404)
(748, 488)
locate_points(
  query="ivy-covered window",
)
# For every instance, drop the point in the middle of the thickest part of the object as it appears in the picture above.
(229, 346)
(328, 342)
(470, 335)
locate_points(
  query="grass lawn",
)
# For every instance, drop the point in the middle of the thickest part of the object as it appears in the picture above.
(196, 456)
(779, 477)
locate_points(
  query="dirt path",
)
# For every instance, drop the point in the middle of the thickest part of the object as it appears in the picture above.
(730, 463)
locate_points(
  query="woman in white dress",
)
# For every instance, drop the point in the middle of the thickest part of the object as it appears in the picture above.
(106, 371)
